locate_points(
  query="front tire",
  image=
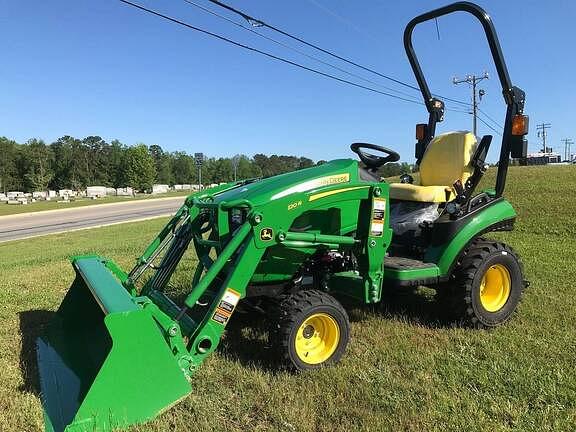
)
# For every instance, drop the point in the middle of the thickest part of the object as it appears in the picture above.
(488, 284)
(310, 330)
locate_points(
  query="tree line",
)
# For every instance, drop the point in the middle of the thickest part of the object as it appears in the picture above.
(72, 163)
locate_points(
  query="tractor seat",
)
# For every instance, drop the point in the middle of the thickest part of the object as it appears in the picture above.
(447, 159)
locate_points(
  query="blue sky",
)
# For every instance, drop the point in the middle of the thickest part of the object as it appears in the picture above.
(80, 67)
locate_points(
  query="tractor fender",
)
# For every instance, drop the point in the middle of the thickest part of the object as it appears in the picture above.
(498, 215)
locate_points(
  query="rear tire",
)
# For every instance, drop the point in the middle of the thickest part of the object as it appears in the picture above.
(310, 329)
(487, 284)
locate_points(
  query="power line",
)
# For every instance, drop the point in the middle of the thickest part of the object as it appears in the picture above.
(211, 12)
(488, 125)
(342, 19)
(452, 100)
(260, 23)
(478, 117)
(272, 56)
(264, 53)
(459, 110)
(490, 118)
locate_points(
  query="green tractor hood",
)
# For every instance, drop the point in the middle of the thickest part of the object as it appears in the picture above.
(340, 171)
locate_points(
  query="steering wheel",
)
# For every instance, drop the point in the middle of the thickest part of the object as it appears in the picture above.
(372, 161)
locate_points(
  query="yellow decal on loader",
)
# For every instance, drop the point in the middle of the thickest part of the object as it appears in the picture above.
(294, 205)
(333, 192)
(314, 184)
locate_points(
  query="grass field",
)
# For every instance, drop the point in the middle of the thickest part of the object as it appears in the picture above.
(405, 369)
(6, 209)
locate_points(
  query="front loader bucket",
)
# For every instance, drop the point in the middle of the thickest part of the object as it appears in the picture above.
(104, 362)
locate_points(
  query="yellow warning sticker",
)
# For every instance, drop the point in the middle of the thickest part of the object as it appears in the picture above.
(378, 216)
(226, 306)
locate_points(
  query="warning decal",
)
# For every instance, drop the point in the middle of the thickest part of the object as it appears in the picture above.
(232, 297)
(220, 317)
(226, 306)
(378, 216)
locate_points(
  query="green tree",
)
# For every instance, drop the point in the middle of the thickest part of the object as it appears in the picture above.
(73, 163)
(183, 168)
(8, 168)
(163, 164)
(137, 168)
(246, 168)
(98, 159)
(36, 161)
(395, 169)
(274, 165)
(79, 163)
(116, 156)
(262, 162)
(304, 162)
(221, 170)
(63, 164)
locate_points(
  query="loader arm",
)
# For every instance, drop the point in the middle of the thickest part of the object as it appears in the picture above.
(219, 284)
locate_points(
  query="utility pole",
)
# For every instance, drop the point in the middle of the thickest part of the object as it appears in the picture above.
(199, 159)
(472, 81)
(235, 162)
(541, 128)
(567, 145)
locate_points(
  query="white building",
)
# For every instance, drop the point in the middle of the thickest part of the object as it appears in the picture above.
(127, 191)
(96, 191)
(14, 194)
(180, 187)
(66, 193)
(543, 158)
(160, 189)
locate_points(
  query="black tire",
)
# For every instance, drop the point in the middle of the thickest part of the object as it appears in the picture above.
(463, 293)
(288, 329)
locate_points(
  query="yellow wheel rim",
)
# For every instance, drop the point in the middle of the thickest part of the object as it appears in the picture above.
(495, 288)
(317, 338)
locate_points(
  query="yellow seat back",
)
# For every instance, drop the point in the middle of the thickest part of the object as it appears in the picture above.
(447, 159)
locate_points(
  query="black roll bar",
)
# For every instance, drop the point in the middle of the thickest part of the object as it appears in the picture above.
(489, 29)
(513, 96)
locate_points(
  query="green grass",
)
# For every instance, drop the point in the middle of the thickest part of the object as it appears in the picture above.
(6, 209)
(404, 369)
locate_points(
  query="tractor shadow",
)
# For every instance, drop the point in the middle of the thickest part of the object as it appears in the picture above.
(416, 306)
(246, 341)
(32, 325)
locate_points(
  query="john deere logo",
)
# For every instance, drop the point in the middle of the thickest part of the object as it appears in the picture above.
(266, 234)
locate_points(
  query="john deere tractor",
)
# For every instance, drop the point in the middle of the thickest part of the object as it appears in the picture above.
(121, 350)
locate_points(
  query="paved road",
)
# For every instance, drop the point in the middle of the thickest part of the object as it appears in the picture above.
(26, 225)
